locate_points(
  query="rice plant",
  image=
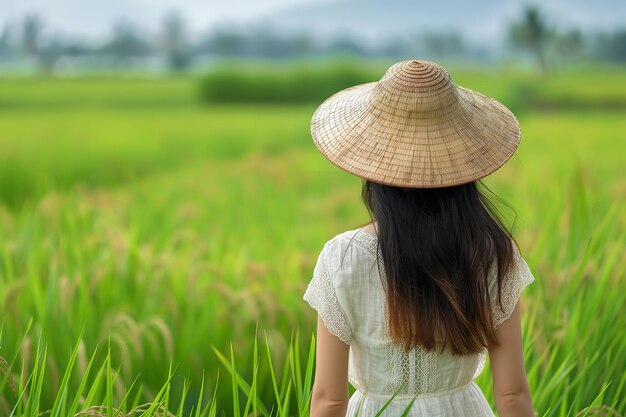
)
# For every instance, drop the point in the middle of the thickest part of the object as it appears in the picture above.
(153, 260)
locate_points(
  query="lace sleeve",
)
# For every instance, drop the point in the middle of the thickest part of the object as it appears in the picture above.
(321, 295)
(518, 278)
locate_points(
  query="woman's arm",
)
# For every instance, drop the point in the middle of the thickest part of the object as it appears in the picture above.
(330, 389)
(510, 386)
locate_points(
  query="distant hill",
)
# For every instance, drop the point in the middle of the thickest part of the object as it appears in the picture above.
(479, 21)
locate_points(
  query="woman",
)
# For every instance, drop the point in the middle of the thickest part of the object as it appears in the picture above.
(409, 305)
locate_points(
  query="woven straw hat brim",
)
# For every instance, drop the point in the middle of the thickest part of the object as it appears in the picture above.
(450, 146)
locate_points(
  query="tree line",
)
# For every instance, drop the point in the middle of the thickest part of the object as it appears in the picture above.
(177, 50)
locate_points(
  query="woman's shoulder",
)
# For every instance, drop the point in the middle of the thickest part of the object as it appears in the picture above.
(349, 259)
(356, 241)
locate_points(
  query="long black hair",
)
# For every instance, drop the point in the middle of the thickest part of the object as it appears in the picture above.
(437, 246)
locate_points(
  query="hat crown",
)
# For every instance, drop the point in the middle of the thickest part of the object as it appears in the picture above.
(415, 128)
(415, 86)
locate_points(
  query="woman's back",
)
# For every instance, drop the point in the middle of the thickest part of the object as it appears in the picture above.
(421, 144)
(347, 291)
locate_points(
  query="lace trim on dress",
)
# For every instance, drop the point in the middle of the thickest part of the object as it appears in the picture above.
(367, 242)
(321, 295)
(409, 371)
(518, 278)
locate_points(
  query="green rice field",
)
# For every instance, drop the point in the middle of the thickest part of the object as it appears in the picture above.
(154, 249)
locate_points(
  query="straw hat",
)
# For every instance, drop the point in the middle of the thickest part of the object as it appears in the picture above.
(415, 128)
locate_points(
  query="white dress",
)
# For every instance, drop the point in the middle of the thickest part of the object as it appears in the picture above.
(347, 293)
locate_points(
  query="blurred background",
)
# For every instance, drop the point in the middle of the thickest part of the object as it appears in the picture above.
(162, 37)
(161, 200)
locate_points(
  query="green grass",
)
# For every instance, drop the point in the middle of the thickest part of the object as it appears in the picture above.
(43, 149)
(52, 93)
(302, 83)
(162, 229)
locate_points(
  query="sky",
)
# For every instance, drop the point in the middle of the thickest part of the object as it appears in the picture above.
(94, 18)
(477, 20)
